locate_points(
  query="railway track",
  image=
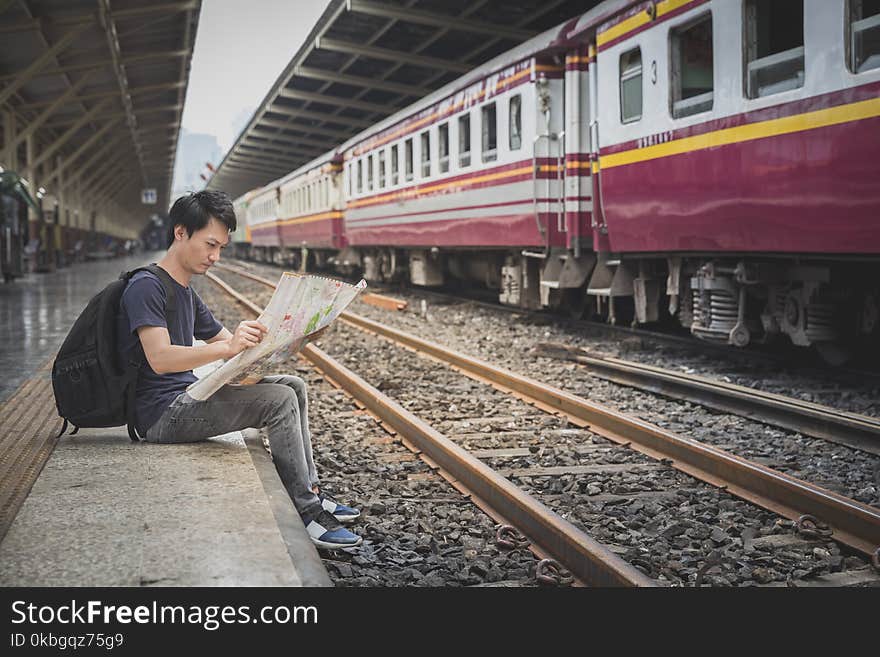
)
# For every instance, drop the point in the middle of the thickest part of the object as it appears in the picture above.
(553, 537)
(853, 524)
(851, 429)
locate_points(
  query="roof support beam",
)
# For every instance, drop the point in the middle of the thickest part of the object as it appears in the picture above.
(279, 168)
(117, 115)
(89, 165)
(110, 185)
(82, 149)
(65, 70)
(308, 96)
(163, 7)
(358, 81)
(100, 63)
(283, 149)
(253, 168)
(280, 151)
(120, 14)
(318, 116)
(111, 167)
(72, 130)
(436, 20)
(285, 125)
(23, 77)
(167, 54)
(109, 94)
(107, 22)
(391, 55)
(34, 125)
(117, 186)
(271, 160)
(285, 139)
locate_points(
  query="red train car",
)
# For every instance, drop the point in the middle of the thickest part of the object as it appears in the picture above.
(712, 161)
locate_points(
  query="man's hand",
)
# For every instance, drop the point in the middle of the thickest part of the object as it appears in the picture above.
(247, 334)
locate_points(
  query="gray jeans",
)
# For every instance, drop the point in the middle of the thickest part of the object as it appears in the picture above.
(278, 403)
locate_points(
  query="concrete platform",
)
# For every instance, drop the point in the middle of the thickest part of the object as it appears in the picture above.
(109, 512)
(104, 511)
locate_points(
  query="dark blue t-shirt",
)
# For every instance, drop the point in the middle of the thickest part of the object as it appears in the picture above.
(143, 304)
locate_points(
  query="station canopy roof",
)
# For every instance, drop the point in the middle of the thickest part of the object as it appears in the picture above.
(367, 59)
(101, 85)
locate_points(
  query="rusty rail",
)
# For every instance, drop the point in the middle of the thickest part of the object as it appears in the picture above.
(851, 429)
(585, 558)
(370, 298)
(854, 523)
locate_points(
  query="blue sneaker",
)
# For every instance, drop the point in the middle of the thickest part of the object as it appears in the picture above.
(339, 511)
(326, 532)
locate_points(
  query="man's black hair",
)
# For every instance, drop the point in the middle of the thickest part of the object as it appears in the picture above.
(194, 210)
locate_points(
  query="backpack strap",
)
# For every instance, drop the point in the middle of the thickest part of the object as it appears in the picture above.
(137, 361)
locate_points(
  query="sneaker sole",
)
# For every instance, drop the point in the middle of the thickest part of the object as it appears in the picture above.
(336, 546)
(347, 519)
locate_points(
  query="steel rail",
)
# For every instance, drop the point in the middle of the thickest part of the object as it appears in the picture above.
(588, 560)
(853, 523)
(371, 298)
(850, 429)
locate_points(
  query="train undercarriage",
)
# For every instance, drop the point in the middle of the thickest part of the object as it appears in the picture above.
(833, 307)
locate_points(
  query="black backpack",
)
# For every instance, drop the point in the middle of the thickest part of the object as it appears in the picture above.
(93, 387)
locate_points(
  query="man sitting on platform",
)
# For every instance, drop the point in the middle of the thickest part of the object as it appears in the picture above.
(200, 226)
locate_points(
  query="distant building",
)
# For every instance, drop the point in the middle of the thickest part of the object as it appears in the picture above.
(193, 150)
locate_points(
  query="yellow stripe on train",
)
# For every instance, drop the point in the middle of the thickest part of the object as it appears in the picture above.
(865, 109)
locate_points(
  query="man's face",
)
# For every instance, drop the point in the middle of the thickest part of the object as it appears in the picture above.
(199, 252)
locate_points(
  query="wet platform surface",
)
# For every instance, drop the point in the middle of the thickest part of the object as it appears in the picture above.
(37, 311)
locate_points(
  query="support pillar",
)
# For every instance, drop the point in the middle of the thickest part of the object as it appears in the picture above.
(9, 156)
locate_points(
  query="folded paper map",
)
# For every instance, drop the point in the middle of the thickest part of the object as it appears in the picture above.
(300, 306)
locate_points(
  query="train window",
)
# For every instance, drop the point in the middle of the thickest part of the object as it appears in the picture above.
(369, 173)
(774, 46)
(408, 159)
(382, 169)
(360, 176)
(464, 140)
(490, 133)
(631, 86)
(351, 179)
(395, 153)
(864, 35)
(443, 146)
(515, 122)
(692, 76)
(425, 144)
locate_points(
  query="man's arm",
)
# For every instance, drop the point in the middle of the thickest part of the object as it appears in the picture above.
(165, 357)
(224, 334)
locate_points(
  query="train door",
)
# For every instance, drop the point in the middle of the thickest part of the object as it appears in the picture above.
(569, 258)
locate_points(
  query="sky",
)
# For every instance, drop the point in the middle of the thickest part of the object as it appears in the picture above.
(240, 50)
